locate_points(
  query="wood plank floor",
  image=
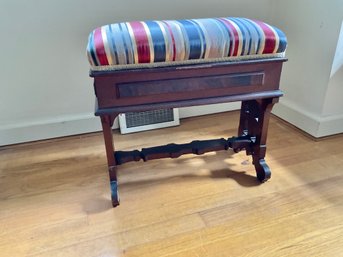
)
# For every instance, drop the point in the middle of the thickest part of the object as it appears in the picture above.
(54, 197)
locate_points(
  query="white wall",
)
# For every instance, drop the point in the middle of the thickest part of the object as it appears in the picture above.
(45, 88)
(333, 103)
(46, 91)
(312, 28)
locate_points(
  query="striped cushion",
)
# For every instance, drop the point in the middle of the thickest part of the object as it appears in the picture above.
(181, 40)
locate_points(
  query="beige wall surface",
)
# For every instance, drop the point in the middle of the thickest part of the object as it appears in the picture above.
(333, 104)
(45, 88)
(312, 28)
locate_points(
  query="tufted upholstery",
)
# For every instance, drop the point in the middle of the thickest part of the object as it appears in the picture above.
(181, 40)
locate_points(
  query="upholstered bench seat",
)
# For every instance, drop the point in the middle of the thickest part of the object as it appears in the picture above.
(177, 41)
(148, 65)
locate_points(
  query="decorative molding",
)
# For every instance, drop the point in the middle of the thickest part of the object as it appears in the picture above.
(331, 125)
(312, 124)
(186, 112)
(49, 128)
(83, 123)
(86, 123)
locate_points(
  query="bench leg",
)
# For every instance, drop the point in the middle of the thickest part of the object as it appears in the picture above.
(254, 122)
(107, 123)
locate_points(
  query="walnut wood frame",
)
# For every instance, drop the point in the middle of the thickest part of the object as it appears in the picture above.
(254, 82)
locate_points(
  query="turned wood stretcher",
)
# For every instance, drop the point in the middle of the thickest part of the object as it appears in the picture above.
(139, 84)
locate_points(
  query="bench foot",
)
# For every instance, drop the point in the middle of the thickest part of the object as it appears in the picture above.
(254, 122)
(112, 170)
(114, 193)
(263, 172)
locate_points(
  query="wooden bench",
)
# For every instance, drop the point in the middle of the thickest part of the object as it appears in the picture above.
(218, 60)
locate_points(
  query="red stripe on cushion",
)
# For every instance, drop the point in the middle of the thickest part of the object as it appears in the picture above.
(270, 38)
(173, 40)
(142, 42)
(234, 35)
(99, 46)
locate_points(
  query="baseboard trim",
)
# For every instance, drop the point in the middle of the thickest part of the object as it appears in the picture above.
(83, 123)
(330, 126)
(48, 128)
(208, 109)
(314, 125)
(86, 123)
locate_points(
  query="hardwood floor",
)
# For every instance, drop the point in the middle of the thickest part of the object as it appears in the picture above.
(55, 197)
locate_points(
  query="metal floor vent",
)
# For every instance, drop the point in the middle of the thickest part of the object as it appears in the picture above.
(140, 121)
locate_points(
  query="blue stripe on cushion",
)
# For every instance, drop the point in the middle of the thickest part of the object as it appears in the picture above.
(92, 49)
(225, 42)
(193, 39)
(230, 36)
(127, 43)
(256, 40)
(246, 36)
(112, 45)
(203, 43)
(253, 36)
(158, 41)
(283, 40)
(118, 41)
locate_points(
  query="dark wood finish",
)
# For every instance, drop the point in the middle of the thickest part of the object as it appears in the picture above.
(107, 123)
(109, 85)
(185, 85)
(254, 121)
(187, 103)
(254, 82)
(176, 150)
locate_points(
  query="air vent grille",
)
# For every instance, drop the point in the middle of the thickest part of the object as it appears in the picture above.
(136, 119)
(140, 121)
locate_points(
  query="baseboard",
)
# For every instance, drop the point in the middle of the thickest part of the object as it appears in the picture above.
(208, 109)
(83, 123)
(86, 123)
(49, 128)
(314, 125)
(330, 126)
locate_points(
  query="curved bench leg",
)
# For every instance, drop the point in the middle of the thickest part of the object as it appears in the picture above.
(254, 122)
(107, 123)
